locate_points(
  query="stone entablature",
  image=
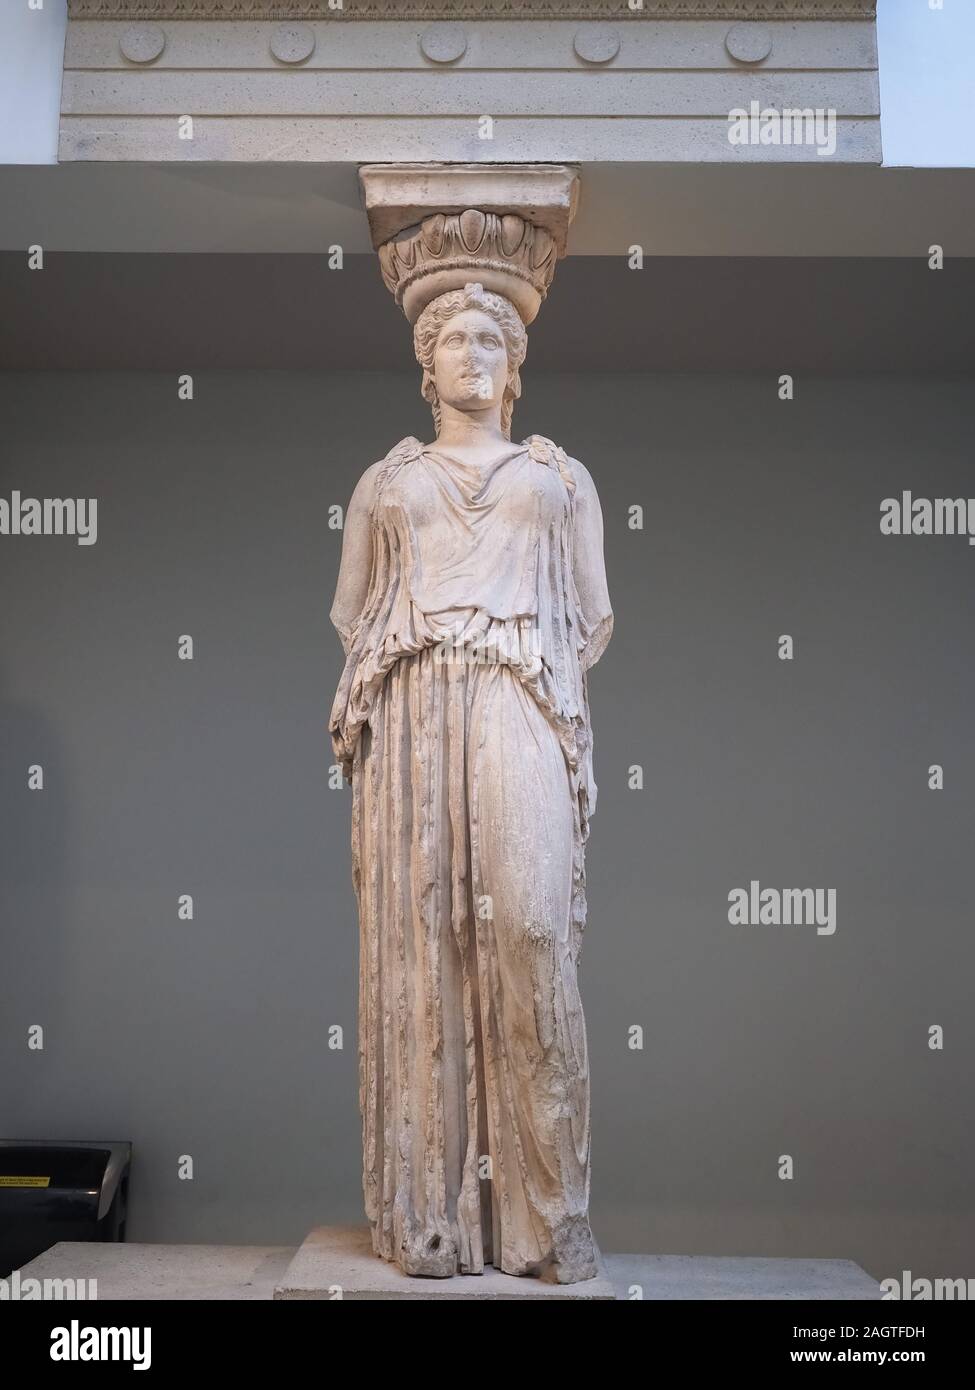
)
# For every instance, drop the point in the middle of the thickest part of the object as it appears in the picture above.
(471, 9)
(501, 81)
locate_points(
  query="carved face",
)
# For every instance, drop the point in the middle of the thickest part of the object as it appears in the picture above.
(470, 363)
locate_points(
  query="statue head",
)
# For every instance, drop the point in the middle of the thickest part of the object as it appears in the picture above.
(471, 343)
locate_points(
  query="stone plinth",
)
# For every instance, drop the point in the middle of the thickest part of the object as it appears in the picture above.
(338, 1261)
(203, 1272)
(749, 1278)
(133, 1270)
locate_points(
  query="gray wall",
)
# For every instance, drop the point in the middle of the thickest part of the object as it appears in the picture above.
(166, 777)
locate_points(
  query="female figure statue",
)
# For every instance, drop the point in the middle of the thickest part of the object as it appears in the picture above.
(471, 602)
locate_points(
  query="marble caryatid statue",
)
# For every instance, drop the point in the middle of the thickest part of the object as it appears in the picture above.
(471, 603)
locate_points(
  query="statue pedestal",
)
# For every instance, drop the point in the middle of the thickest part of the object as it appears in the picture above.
(343, 1255)
(338, 1261)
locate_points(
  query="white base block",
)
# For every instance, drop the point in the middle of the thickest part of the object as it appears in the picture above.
(134, 1271)
(338, 1261)
(666, 1278)
(344, 1256)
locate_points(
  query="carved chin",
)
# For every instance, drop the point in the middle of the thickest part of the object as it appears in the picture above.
(474, 393)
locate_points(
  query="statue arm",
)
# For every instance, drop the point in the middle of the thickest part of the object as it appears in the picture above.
(355, 567)
(589, 566)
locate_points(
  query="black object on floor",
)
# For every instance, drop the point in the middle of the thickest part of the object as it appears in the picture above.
(52, 1191)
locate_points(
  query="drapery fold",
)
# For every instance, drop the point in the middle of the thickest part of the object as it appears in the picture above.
(501, 559)
(462, 721)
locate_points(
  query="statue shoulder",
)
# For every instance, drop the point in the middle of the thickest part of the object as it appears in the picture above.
(585, 487)
(574, 474)
(378, 474)
(410, 447)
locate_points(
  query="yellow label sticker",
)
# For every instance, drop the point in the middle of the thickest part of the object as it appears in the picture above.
(24, 1182)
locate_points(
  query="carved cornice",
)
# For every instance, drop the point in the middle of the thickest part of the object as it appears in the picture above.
(471, 9)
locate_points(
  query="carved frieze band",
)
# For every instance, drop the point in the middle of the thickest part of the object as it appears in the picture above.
(471, 9)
